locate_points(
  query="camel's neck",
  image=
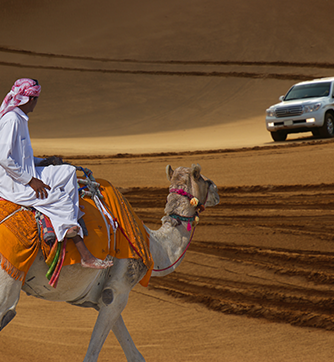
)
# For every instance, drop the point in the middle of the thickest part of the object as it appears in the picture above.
(169, 242)
(167, 245)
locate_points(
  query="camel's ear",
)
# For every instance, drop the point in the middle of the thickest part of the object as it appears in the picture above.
(196, 171)
(169, 172)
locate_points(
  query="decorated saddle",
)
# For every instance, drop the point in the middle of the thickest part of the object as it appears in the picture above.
(113, 229)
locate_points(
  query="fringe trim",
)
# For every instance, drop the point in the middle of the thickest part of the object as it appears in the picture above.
(11, 270)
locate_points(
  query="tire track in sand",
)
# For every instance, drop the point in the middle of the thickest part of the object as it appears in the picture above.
(93, 64)
(245, 262)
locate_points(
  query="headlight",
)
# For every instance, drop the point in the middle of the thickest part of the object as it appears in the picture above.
(270, 112)
(312, 107)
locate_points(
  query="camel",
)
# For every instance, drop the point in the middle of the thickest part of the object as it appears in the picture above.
(107, 290)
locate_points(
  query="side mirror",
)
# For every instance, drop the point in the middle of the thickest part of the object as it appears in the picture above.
(281, 98)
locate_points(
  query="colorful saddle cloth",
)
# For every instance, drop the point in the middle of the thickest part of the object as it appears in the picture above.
(20, 242)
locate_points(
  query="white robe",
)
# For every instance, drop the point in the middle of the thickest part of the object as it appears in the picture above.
(17, 167)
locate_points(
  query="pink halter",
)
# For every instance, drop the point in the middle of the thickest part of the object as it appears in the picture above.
(21, 91)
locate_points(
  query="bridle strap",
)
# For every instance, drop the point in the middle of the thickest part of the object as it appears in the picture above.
(182, 193)
(183, 218)
(189, 196)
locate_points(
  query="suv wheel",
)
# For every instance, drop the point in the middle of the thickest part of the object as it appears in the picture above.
(278, 136)
(327, 130)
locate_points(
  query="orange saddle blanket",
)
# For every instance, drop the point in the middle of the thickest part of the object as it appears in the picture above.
(20, 243)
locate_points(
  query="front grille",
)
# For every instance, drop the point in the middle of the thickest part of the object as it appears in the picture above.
(293, 122)
(289, 111)
(299, 121)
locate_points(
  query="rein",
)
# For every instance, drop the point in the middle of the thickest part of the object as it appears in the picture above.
(92, 190)
(180, 257)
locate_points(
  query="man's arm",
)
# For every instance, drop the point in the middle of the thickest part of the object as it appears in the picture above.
(8, 133)
(8, 136)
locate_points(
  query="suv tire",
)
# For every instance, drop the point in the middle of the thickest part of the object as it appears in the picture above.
(280, 135)
(327, 130)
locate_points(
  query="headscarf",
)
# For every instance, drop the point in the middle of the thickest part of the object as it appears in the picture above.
(21, 91)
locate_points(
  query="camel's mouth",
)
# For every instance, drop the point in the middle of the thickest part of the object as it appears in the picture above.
(213, 196)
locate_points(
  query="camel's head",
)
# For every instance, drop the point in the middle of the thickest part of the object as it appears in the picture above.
(190, 180)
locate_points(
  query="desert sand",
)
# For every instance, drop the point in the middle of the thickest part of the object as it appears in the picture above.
(129, 87)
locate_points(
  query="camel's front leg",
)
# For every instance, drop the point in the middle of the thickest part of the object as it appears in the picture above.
(131, 352)
(108, 315)
(9, 296)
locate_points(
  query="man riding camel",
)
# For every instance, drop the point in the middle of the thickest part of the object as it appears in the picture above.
(52, 190)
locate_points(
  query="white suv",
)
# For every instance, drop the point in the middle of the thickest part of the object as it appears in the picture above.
(308, 106)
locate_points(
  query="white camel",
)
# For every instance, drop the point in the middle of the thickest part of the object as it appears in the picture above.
(107, 291)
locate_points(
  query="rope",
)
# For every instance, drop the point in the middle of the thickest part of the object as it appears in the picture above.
(186, 219)
(105, 213)
(170, 266)
(180, 257)
(95, 194)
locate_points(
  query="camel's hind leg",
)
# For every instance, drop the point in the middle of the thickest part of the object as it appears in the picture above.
(9, 296)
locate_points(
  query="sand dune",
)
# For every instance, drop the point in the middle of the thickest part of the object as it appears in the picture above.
(146, 69)
(129, 87)
(255, 30)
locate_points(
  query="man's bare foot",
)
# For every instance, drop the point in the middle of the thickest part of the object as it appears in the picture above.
(95, 263)
(88, 260)
(72, 232)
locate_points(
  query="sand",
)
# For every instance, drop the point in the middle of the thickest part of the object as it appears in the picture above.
(129, 88)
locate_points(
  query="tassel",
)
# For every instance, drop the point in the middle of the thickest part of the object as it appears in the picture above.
(194, 202)
(189, 226)
(196, 221)
(54, 262)
(55, 276)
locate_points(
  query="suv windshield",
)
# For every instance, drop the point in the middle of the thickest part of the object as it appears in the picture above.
(308, 91)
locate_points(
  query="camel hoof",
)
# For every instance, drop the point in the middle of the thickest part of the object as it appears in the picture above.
(7, 318)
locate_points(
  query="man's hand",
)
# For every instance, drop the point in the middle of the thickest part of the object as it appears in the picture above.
(39, 187)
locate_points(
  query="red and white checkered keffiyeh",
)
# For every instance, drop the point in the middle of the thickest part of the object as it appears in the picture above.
(21, 91)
